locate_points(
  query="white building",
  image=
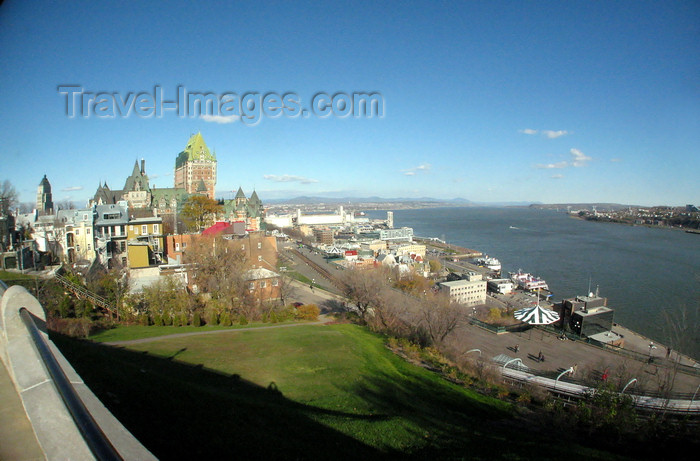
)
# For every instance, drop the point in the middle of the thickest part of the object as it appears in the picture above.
(466, 292)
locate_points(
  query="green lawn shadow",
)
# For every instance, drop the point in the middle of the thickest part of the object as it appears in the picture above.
(182, 411)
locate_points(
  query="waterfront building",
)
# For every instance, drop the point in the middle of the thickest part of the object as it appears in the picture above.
(503, 286)
(44, 199)
(404, 234)
(195, 168)
(587, 315)
(469, 292)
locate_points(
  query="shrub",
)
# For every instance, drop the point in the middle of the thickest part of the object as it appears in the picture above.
(196, 320)
(308, 312)
(158, 320)
(225, 319)
(243, 320)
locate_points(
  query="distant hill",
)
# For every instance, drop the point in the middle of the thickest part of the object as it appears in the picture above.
(425, 201)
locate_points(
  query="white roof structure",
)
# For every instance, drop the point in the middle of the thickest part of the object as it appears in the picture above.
(536, 315)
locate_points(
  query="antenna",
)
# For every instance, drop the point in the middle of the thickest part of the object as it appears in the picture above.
(589, 284)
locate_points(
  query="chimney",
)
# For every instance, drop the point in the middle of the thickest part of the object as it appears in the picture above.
(143, 166)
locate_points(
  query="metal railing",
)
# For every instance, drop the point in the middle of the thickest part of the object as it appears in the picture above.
(96, 440)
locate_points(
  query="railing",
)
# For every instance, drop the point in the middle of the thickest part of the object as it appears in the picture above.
(91, 432)
(79, 291)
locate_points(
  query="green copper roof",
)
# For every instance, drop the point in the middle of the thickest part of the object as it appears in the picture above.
(240, 193)
(196, 150)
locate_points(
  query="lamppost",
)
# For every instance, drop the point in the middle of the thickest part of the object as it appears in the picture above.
(633, 380)
(569, 370)
(510, 361)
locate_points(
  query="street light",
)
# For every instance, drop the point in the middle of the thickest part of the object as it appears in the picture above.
(512, 360)
(569, 370)
(633, 380)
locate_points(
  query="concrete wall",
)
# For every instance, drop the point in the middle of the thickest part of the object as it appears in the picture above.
(51, 421)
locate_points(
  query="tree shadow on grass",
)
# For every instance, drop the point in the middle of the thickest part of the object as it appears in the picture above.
(181, 411)
(447, 423)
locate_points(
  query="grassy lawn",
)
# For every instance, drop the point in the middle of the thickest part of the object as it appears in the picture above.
(305, 392)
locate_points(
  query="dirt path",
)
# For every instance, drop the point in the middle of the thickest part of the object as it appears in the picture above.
(129, 342)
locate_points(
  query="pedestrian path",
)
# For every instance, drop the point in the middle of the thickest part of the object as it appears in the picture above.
(17, 439)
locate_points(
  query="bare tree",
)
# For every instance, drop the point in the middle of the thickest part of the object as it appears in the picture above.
(8, 197)
(218, 269)
(362, 288)
(439, 317)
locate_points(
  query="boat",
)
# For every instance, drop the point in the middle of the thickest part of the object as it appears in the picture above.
(490, 263)
(513, 227)
(528, 281)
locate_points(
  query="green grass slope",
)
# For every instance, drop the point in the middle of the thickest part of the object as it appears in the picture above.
(304, 392)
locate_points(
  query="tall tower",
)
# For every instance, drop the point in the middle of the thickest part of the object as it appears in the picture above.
(44, 200)
(195, 166)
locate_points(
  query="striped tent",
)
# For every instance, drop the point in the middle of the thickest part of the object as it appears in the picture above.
(536, 315)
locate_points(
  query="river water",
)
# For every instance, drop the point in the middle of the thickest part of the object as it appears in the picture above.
(646, 273)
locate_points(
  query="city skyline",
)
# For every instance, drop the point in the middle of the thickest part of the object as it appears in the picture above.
(490, 102)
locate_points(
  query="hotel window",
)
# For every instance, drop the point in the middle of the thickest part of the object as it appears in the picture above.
(259, 258)
(251, 286)
(275, 282)
(77, 232)
(144, 229)
(259, 245)
(87, 231)
(155, 228)
(177, 246)
(263, 284)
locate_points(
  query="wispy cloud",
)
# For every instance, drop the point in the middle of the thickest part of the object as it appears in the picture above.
(578, 160)
(554, 134)
(221, 119)
(552, 165)
(615, 160)
(413, 171)
(527, 131)
(71, 188)
(289, 178)
(557, 176)
(551, 134)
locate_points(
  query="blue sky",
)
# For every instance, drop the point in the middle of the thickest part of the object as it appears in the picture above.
(489, 101)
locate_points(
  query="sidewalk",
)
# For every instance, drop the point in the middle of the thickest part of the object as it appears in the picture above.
(17, 439)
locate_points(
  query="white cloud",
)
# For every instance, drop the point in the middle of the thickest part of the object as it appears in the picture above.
(554, 134)
(71, 188)
(557, 176)
(221, 119)
(580, 158)
(416, 169)
(289, 178)
(552, 165)
(615, 160)
(551, 134)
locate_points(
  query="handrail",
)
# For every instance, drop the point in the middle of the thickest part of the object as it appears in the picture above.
(96, 440)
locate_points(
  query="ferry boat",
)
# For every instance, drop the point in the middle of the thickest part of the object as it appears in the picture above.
(490, 263)
(528, 281)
